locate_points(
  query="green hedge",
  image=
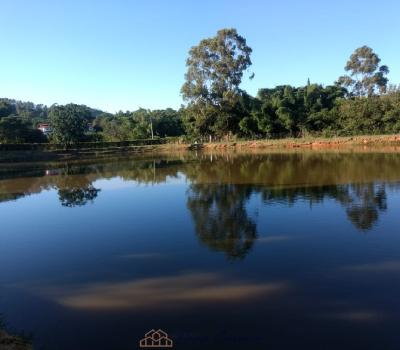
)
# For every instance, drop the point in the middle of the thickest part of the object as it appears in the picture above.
(81, 145)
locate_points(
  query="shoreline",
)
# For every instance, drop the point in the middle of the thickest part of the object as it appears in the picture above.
(307, 143)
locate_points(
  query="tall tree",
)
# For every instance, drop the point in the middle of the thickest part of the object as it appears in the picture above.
(214, 72)
(366, 75)
(68, 123)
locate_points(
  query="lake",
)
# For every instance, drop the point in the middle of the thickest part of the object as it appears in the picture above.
(278, 250)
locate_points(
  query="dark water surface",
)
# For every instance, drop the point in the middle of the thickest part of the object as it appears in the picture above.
(223, 251)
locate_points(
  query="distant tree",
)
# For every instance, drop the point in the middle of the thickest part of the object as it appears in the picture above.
(366, 75)
(22, 109)
(18, 130)
(142, 124)
(99, 121)
(319, 104)
(368, 115)
(115, 128)
(248, 108)
(248, 126)
(287, 110)
(68, 123)
(214, 72)
(6, 108)
(167, 122)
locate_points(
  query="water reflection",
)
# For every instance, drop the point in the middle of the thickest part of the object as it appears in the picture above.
(166, 292)
(74, 190)
(221, 184)
(72, 197)
(222, 222)
(6, 197)
(220, 218)
(165, 228)
(363, 202)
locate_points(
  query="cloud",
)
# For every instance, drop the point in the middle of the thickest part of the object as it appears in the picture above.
(140, 256)
(161, 292)
(116, 183)
(356, 316)
(269, 239)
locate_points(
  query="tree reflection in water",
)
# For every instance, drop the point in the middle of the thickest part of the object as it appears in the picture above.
(365, 201)
(223, 224)
(220, 185)
(221, 219)
(72, 197)
(74, 187)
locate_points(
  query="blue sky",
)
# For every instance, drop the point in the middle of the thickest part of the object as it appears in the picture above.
(125, 54)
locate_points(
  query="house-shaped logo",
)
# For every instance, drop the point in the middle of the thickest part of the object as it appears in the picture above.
(156, 339)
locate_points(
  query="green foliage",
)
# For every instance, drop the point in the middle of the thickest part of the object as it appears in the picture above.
(140, 124)
(68, 123)
(366, 76)
(290, 111)
(6, 108)
(19, 130)
(369, 115)
(167, 122)
(214, 72)
(113, 128)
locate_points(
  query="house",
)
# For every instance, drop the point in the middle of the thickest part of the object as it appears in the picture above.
(90, 127)
(44, 128)
(53, 172)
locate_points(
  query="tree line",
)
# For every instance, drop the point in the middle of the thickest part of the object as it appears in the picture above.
(215, 107)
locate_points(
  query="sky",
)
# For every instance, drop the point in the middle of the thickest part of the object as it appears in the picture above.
(125, 54)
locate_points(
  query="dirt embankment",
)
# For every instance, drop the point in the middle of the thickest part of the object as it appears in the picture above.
(311, 143)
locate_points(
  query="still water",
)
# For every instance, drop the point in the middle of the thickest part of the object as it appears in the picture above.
(277, 250)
